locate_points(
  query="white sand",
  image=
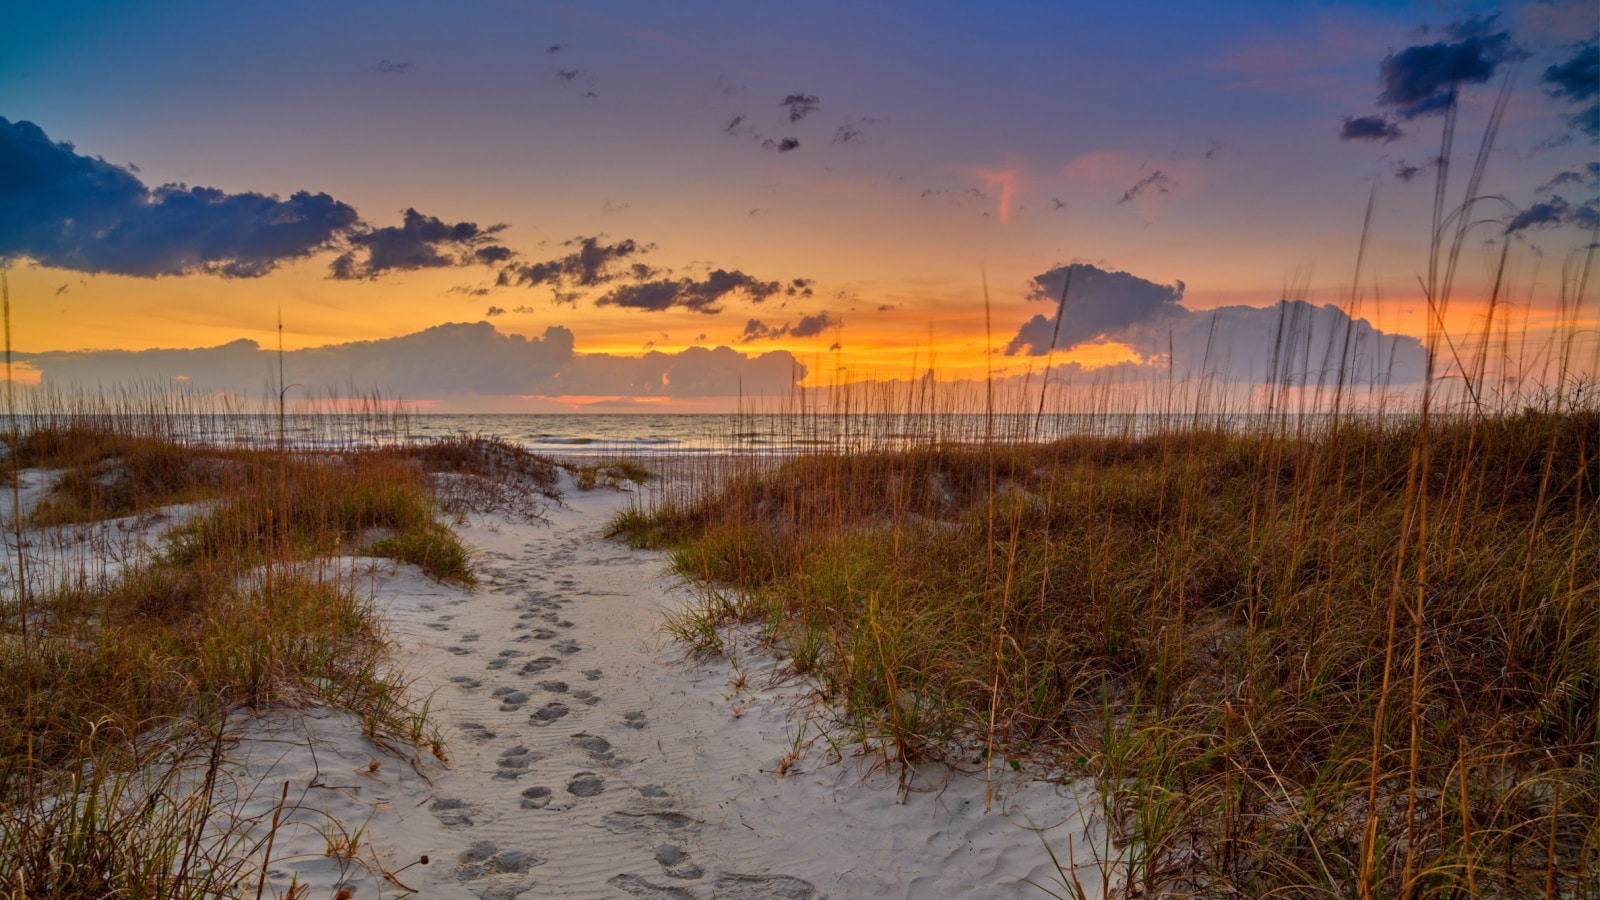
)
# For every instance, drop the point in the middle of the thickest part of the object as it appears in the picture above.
(589, 759)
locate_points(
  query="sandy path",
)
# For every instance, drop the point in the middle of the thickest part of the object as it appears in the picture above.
(587, 759)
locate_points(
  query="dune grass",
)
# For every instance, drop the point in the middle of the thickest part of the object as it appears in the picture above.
(1220, 626)
(111, 644)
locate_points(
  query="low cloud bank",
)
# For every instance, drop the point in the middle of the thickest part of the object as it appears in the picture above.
(452, 361)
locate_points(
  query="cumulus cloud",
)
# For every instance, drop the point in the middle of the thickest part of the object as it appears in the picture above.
(703, 295)
(1369, 128)
(70, 211)
(800, 105)
(1291, 343)
(1155, 181)
(1097, 302)
(456, 360)
(591, 263)
(1423, 79)
(420, 242)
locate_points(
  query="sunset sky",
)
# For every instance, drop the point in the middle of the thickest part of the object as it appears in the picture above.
(676, 202)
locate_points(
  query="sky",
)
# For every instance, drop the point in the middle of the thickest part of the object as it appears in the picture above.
(509, 205)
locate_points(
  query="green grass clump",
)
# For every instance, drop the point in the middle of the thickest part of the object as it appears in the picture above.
(1221, 626)
(616, 474)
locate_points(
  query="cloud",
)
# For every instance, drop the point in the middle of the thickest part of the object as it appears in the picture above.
(593, 263)
(811, 326)
(1586, 120)
(782, 146)
(457, 360)
(807, 327)
(1369, 128)
(800, 105)
(1578, 78)
(555, 48)
(1422, 79)
(493, 311)
(1098, 302)
(393, 68)
(1588, 176)
(420, 242)
(1293, 342)
(1554, 213)
(700, 295)
(1407, 172)
(1155, 180)
(70, 211)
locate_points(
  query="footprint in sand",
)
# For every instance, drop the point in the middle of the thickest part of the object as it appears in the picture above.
(567, 645)
(452, 812)
(485, 858)
(537, 797)
(635, 886)
(598, 748)
(548, 713)
(504, 659)
(476, 732)
(465, 682)
(535, 666)
(511, 699)
(675, 863)
(592, 674)
(514, 762)
(586, 784)
(633, 719)
(587, 698)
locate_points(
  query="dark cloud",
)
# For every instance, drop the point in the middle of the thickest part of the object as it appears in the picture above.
(62, 209)
(807, 327)
(1369, 128)
(70, 211)
(848, 133)
(811, 326)
(1057, 203)
(1423, 79)
(393, 68)
(735, 125)
(62, 290)
(1588, 176)
(1586, 120)
(555, 48)
(782, 146)
(799, 287)
(493, 311)
(1157, 181)
(1405, 171)
(700, 295)
(591, 264)
(800, 105)
(420, 242)
(1578, 78)
(469, 290)
(1556, 212)
(1098, 303)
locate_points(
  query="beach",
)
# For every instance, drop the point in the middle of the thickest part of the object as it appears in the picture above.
(586, 756)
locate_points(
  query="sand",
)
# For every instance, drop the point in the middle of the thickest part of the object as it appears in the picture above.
(587, 757)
